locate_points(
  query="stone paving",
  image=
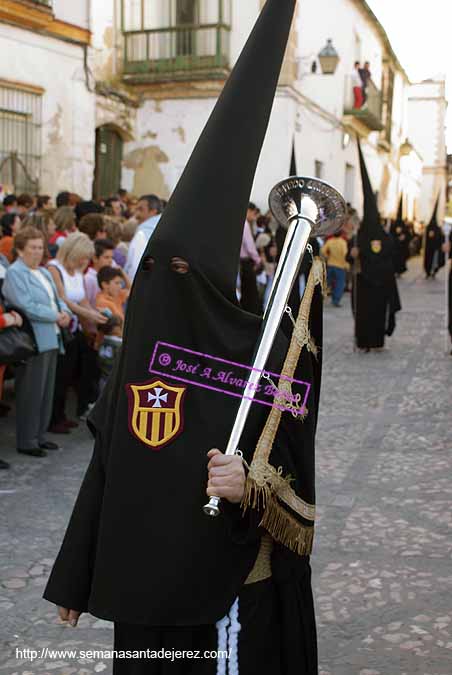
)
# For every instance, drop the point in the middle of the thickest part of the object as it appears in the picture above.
(383, 553)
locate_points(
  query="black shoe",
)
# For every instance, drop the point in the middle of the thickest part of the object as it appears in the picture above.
(4, 409)
(48, 445)
(4, 465)
(33, 452)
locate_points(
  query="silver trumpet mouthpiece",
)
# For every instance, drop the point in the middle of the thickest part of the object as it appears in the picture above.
(304, 197)
(213, 507)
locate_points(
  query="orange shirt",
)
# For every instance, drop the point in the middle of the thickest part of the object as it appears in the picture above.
(6, 247)
(115, 305)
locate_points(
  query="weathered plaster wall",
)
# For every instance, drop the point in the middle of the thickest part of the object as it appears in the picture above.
(68, 107)
(165, 135)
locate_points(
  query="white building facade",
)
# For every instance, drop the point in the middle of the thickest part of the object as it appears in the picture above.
(427, 122)
(102, 94)
(47, 111)
(173, 56)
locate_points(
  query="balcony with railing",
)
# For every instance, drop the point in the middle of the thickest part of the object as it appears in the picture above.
(177, 53)
(368, 112)
(176, 40)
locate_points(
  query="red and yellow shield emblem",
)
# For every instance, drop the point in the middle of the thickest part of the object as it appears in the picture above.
(375, 245)
(155, 412)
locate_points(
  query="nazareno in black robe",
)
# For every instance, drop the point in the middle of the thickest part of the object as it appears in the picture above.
(138, 550)
(401, 241)
(433, 254)
(375, 298)
(434, 257)
(401, 246)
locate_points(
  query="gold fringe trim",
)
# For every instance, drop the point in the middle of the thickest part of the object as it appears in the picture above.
(285, 529)
(278, 522)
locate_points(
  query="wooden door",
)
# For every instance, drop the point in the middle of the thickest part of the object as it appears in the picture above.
(107, 174)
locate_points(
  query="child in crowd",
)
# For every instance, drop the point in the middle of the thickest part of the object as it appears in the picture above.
(112, 295)
(110, 347)
(103, 257)
(114, 233)
(10, 225)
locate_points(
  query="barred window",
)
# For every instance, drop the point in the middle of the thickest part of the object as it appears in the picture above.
(20, 138)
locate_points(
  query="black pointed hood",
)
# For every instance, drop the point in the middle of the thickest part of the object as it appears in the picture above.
(371, 223)
(281, 230)
(293, 161)
(434, 257)
(399, 219)
(205, 216)
(434, 219)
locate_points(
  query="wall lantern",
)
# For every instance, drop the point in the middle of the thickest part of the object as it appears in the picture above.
(328, 58)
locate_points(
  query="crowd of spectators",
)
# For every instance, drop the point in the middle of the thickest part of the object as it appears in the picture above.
(66, 268)
(65, 275)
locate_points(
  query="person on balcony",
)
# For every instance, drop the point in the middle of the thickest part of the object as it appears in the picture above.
(357, 86)
(366, 77)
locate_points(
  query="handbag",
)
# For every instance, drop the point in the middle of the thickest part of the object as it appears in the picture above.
(66, 336)
(16, 345)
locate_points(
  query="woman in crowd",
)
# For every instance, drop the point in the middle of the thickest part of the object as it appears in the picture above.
(64, 219)
(79, 363)
(29, 287)
(10, 225)
(44, 223)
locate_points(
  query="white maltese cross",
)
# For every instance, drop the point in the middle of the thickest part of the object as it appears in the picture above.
(157, 397)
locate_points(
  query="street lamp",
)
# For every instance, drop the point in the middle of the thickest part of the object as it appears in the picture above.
(406, 148)
(328, 58)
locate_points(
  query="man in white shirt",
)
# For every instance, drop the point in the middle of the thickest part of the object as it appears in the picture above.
(148, 213)
(357, 86)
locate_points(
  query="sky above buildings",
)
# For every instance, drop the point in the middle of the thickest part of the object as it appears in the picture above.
(420, 33)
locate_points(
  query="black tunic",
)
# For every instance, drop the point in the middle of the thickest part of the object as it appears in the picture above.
(276, 633)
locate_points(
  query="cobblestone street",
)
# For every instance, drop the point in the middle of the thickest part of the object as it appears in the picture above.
(383, 553)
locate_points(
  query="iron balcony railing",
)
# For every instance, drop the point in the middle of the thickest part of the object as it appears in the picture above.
(177, 52)
(370, 112)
